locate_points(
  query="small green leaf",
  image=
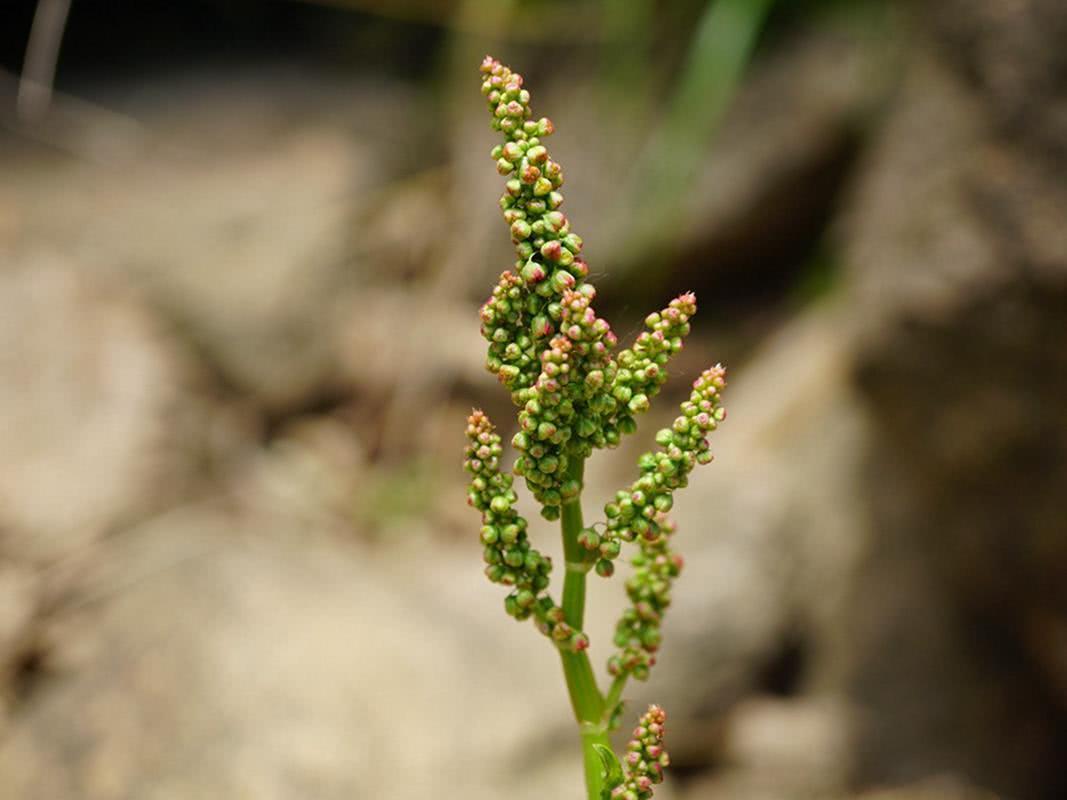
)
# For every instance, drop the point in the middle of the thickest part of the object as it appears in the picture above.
(612, 773)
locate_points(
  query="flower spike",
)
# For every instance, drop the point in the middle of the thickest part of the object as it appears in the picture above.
(574, 395)
(509, 558)
(645, 757)
(643, 367)
(640, 514)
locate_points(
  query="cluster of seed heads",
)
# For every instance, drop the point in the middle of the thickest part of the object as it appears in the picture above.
(555, 355)
(525, 312)
(509, 558)
(642, 368)
(645, 758)
(639, 514)
(563, 417)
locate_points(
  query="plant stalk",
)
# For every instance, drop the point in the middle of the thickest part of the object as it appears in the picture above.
(586, 699)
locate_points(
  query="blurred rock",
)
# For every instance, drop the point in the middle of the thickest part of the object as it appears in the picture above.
(1009, 50)
(940, 788)
(776, 749)
(763, 734)
(19, 608)
(309, 474)
(439, 346)
(93, 414)
(958, 258)
(776, 168)
(100, 425)
(239, 230)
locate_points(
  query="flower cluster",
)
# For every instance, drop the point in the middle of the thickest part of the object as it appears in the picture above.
(639, 514)
(645, 757)
(541, 311)
(565, 415)
(557, 358)
(509, 558)
(524, 311)
(642, 368)
(525, 317)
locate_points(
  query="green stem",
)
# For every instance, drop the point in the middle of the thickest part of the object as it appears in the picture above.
(594, 767)
(585, 695)
(571, 525)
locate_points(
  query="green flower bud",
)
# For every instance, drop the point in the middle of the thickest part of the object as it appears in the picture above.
(638, 403)
(541, 326)
(561, 279)
(532, 272)
(546, 430)
(509, 534)
(514, 557)
(573, 242)
(589, 539)
(511, 152)
(520, 229)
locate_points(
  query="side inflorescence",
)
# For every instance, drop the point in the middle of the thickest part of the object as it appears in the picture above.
(643, 367)
(510, 559)
(638, 514)
(645, 757)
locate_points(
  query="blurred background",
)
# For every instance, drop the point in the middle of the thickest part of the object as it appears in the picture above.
(242, 248)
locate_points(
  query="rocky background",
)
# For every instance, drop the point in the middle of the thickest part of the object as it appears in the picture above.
(241, 253)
